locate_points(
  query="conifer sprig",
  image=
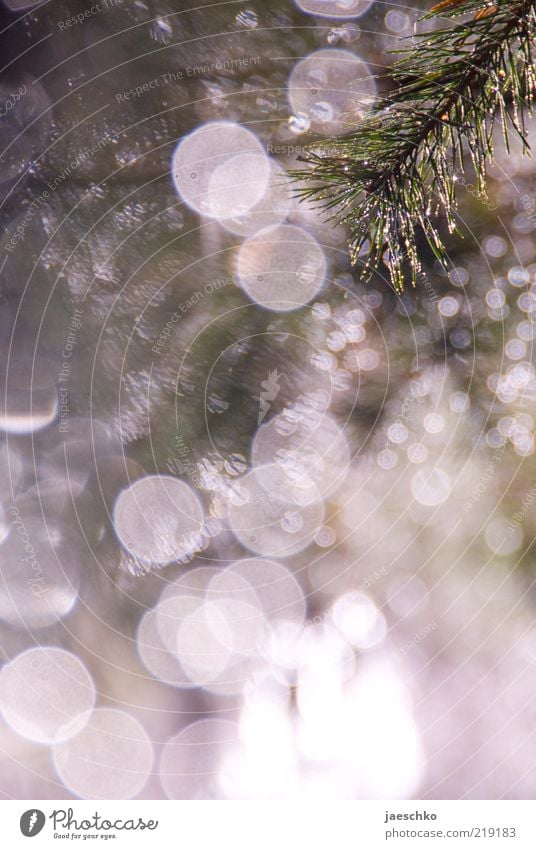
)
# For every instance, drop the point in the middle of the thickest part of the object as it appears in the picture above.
(396, 170)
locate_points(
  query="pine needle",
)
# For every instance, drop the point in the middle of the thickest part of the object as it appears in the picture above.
(391, 176)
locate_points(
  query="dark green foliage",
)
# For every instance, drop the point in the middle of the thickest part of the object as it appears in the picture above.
(397, 170)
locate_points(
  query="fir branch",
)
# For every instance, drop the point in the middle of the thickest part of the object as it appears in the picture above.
(398, 168)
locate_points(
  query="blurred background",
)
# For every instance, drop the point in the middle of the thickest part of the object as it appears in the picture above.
(266, 531)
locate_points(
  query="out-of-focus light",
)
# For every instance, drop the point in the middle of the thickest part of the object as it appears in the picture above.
(308, 447)
(281, 268)
(396, 21)
(325, 537)
(387, 459)
(159, 519)
(214, 160)
(273, 586)
(495, 246)
(111, 757)
(46, 694)
(518, 276)
(162, 663)
(515, 349)
(397, 433)
(448, 306)
(335, 8)
(417, 453)
(459, 276)
(260, 519)
(434, 423)
(495, 298)
(191, 763)
(270, 210)
(30, 398)
(502, 538)
(359, 620)
(332, 88)
(459, 402)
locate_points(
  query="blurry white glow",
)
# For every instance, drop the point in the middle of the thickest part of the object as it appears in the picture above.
(459, 276)
(271, 209)
(417, 453)
(19, 423)
(366, 734)
(354, 735)
(325, 662)
(308, 447)
(333, 88)
(325, 537)
(191, 763)
(515, 349)
(387, 459)
(281, 268)
(156, 656)
(397, 433)
(170, 612)
(258, 519)
(336, 341)
(341, 380)
(238, 625)
(179, 646)
(201, 644)
(335, 8)
(266, 764)
(434, 423)
(299, 124)
(502, 538)
(430, 487)
(321, 310)
(45, 694)
(526, 302)
(518, 276)
(159, 519)
(396, 21)
(324, 361)
(220, 170)
(364, 360)
(29, 396)
(353, 331)
(111, 757)
(359, 620)
(495, 298)
(459, 402)
(495, 246)
(273, 586)
(205, 640)
(282, 648)
(448, 306)
(526, 330)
